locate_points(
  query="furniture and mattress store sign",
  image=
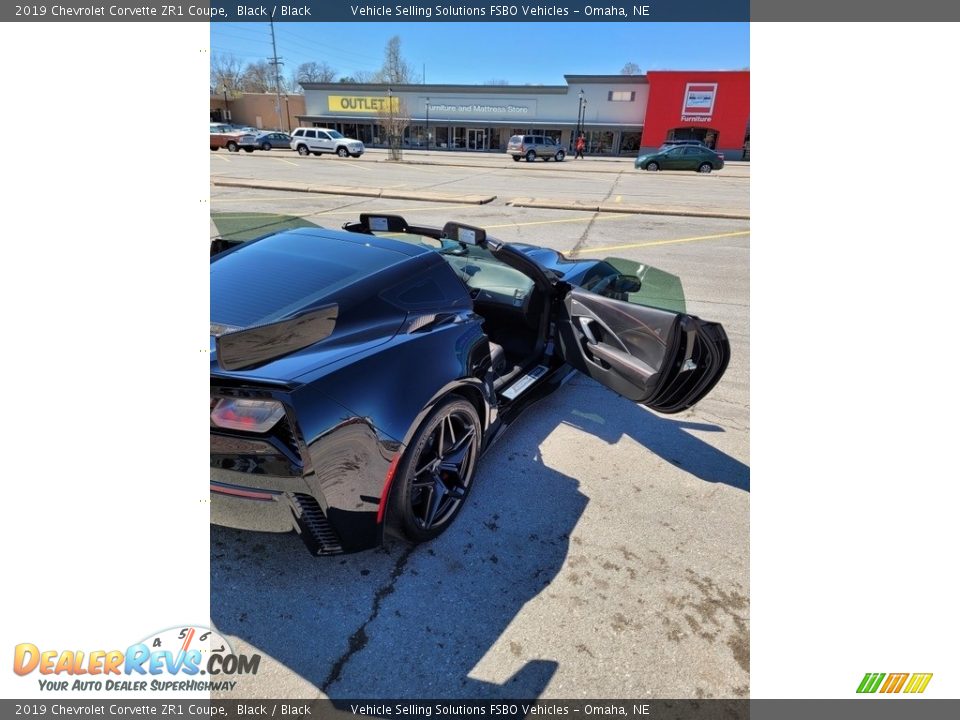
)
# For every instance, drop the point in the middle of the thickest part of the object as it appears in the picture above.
(449, 107)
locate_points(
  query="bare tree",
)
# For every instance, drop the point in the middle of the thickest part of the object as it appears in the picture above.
(315, 72)
(394, 118)
(225, 71)
(631, 68)
(258, 77)
(395, 70)
(359, 77)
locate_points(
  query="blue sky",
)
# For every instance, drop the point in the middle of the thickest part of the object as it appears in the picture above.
(474, 53)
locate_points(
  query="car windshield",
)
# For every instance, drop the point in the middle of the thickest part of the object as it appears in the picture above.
(334, 134)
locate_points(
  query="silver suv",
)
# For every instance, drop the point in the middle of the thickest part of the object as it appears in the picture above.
(533, 146)
(324, 140)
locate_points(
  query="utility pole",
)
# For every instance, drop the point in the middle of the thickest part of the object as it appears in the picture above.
(276, 74)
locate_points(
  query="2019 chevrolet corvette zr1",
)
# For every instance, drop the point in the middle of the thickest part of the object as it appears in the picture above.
(358, 374)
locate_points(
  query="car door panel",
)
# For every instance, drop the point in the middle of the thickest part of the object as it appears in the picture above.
(663, 359)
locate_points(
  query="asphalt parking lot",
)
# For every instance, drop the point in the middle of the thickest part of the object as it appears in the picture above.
(604, 550)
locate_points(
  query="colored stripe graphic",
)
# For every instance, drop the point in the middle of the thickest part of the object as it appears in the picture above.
(918, 683)
(894, 682)
(870, 682)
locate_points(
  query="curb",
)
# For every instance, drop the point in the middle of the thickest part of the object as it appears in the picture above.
(546, 203)
(358, 191)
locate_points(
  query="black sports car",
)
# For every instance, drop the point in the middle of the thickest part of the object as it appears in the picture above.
(358, 374)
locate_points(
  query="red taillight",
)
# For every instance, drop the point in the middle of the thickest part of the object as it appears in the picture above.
(249, 415)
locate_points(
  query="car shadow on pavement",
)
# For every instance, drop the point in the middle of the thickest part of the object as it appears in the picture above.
(669, 437)
(406, 621)
(414, 622)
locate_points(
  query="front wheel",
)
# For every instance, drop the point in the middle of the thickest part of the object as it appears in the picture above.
(531, 156)
(246, 149)
(342, 152)
(303, 151)
(705, 168)
(436, 472)
(653, 167)
(266, 146)
(559, 156)
(232, 146)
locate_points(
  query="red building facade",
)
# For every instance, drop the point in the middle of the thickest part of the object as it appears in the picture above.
(713, 106)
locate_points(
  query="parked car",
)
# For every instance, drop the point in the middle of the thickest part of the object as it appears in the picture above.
(532, 147)
(232, 140)
(681, 157)
(357, 375)
(324, 140)
(270, 140)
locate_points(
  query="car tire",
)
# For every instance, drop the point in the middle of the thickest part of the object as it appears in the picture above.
(342, 152)
(318, 153)
(559, 156)
(214, 148)
(516, 158)
(266, 146)
(652, 166)
(705, 168)
(303, 150)
(434, 476)
(355, 155)
(246, 149)
(531, 156)
(233, 147)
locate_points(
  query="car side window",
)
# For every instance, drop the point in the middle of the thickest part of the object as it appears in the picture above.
(322, 136)
(298, 133)
(528, 139)
(691, 150)
(673, 152)
(548, 141)
(311, 134)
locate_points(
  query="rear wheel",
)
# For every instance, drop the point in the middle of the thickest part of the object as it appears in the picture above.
(531, 156)
(342, 152)
(232, 146)
(705, 168)
(653, 167)
(266, 146)
(516, 158)
(303, 150)
(437, 470)
(248, 149)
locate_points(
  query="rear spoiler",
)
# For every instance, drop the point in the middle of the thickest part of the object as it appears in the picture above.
(248, 348)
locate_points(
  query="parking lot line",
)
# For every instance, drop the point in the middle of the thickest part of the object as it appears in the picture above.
(286, 161)
(660, 242)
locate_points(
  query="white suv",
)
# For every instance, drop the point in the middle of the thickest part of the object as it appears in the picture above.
(324, 140)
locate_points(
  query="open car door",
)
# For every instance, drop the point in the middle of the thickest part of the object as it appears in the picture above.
(666, 360)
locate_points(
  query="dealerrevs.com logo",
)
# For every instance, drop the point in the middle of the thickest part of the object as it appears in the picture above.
(182, 659)
(911, 683)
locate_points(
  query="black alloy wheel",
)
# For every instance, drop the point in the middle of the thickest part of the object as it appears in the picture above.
(436, 472)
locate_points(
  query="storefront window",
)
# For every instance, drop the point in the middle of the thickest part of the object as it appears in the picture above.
(600, 142)
(442, 137)
(630, 143)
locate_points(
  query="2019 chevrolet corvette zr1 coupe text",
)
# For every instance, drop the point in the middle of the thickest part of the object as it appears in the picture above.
(358, 374)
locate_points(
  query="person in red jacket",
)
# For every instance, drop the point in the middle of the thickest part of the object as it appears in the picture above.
(580, 147)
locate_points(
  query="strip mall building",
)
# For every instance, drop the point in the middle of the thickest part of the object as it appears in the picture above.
(619, 114)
